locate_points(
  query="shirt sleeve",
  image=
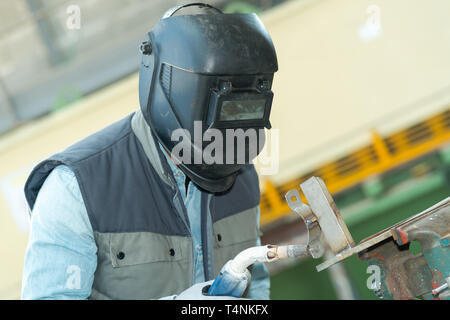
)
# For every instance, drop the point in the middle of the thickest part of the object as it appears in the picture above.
(260, 282)
(61, 255)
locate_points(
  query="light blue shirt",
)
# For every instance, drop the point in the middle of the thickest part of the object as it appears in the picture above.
(61, 256)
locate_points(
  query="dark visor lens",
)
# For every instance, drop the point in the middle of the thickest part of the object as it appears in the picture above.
(242, 110)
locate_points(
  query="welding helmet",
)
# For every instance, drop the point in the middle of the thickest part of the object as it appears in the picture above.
(210, 68)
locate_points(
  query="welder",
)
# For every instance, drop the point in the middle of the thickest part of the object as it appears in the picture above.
(120, 214)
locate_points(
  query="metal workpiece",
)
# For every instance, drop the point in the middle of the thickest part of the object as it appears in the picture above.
(296, 204)
(335, 230)
(327, 229)
(315, 242)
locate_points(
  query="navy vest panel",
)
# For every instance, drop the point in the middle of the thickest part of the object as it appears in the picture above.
(243, 195)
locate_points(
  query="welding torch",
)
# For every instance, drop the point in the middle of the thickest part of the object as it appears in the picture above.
(234, 277)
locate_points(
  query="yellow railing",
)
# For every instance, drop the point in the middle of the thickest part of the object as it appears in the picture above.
(381, 155)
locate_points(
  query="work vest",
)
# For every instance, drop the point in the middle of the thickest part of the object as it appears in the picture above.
(140, 223)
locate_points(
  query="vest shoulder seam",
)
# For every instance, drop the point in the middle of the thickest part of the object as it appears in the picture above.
(104, 149)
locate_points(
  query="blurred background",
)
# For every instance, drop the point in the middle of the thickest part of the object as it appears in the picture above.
(362, 99)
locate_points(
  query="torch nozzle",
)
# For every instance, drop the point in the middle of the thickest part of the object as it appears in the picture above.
(268, 253)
